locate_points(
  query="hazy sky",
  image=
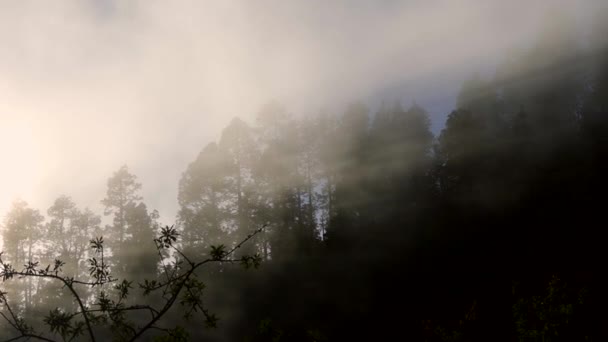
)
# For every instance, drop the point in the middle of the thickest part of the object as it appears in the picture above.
(89, 85)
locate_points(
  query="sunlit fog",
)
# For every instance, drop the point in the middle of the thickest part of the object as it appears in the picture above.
(330, 147)
(88, 86)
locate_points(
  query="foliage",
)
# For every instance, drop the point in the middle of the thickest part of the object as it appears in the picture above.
(373, 224)
(109, 309)
(544, 317)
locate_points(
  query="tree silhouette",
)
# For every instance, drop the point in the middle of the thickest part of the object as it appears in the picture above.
(123, 190)
(108, 309)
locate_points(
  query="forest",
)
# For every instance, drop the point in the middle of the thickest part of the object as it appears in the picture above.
(354, 226)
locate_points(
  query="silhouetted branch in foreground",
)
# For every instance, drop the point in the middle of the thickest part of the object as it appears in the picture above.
(109, 308)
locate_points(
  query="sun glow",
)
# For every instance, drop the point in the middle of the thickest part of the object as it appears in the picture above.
(19, 158)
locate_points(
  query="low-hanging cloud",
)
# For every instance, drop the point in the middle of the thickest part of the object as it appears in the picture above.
(86, 86)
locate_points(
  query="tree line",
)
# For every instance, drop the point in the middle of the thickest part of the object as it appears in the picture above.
(373, 226)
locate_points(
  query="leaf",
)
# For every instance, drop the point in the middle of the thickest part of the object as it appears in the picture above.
(218, 252)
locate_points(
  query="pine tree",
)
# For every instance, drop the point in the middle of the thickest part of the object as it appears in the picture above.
(141, 257)
(202, 196)
(237, 145)
(21, 233)
(122, 192)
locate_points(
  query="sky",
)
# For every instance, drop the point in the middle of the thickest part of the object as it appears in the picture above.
(87, 86)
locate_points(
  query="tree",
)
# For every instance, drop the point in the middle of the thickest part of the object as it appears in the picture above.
(459, 146)
(108, 315)
(22, 230)
(238, 148)
(399, 158)
(123, 190)
(122, 193)
(202, 194)
(277, 178)
(546, 79)
(350, 168)
(58, 228)
(326, 136)
(66, 238)
(308, 183)
(69, 229)
(141, 230)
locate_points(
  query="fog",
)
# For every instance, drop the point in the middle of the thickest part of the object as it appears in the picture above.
(87, 86)
(312, 155)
